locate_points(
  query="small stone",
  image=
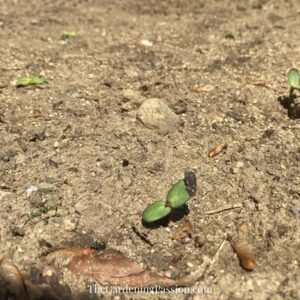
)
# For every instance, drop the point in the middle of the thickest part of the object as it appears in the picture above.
(45, 187)
(36, 199)
(17, 231)
(125, 162)
(37, 136)
(69, 224)
(126, 180)
(132, 95)
(234, 170)
(20, 159)
(180, 107)
(44, 243)
(200, 240)
(156, 114)
(5, 158)
(239, 164)
(14, 129)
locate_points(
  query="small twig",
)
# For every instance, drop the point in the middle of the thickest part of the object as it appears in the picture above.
(216, 256)
(205, 268)
(142, 236)
(218, 210)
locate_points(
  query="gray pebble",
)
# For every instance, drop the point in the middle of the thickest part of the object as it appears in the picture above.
(45, 187)
(17, 231)
(156, 114)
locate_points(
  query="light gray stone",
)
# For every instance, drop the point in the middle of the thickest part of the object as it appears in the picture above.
(156, 114)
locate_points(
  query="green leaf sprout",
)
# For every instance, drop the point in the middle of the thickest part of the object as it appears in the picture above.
(30, 80)
(177, 196)
(68, 34)
(294, 80)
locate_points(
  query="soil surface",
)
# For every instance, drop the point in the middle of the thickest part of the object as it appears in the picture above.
(77, 165)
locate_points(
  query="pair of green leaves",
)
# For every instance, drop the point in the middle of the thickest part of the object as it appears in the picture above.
(177, 196)
(294, 78)
(30, 80)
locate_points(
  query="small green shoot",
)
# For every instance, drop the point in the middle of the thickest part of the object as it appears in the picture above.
(34, 214)
(294, 80)
(30, 80)
(177, 196)
(68, 34)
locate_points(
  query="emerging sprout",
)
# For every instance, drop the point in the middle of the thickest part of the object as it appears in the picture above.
(30, 80)
(177, 196)
(68, 34)
(294, 80)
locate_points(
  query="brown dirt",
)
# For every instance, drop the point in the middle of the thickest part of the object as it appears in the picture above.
(87, 133)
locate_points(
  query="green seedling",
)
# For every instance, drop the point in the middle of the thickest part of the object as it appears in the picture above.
(156, 211)
(68, 34)
(34, 214)
(294, 80)
(177, 196)
(30, 80)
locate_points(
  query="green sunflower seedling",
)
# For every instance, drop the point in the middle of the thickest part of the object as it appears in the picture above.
(68, 34)
(177, 196)
(294, 80)
(30, 80)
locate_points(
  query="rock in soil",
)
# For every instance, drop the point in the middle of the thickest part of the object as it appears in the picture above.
(156, 114)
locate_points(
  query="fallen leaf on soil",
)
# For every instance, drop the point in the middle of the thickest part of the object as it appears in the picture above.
(215, 150)
(35, 113)
(259, 82)
(11, 280)
(111, 267)
(245, 254)
(204, 89)
(182, 231)
(39, 284)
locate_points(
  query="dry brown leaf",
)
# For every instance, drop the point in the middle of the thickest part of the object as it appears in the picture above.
(11, 280)
(182, 231)
(204, 89)
(111, 267)
(258, 82)
(35, 113)
(216, 149)
(62, 257)
(34, 286)
(245, 254)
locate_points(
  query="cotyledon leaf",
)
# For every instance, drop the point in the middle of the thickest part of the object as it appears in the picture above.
(294, 78)
(182, 190)
(177, 195)
(156, 211)
(30, 80)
